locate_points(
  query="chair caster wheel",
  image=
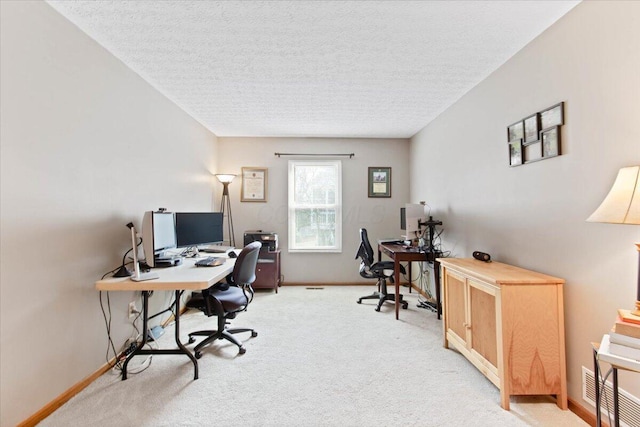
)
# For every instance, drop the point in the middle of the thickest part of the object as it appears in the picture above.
(192, 340)
(359, 301)
(254, 334)
(377, 308)
(198, 355)
(405, 306)
(242, 350)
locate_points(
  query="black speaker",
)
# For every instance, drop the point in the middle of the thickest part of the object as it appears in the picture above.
(481, 256)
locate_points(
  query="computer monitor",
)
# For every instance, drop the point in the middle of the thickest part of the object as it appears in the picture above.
(410, 217)
(198, 228)
(158, 235)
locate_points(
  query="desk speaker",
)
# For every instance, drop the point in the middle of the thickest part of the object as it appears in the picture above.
(481, 256)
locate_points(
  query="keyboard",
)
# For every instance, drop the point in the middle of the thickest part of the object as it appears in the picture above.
(211, 261)
(216, 249)
(389, 241)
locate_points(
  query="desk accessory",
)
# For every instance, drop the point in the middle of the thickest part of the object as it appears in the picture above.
(138, 276)
(622, 206)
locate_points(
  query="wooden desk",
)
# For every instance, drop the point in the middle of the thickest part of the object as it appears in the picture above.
(183, 277)
(399, 253)
(601, 352)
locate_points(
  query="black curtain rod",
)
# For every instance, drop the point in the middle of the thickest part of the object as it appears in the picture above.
(316, 154)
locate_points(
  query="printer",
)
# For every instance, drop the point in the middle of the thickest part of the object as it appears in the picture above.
(268, 239)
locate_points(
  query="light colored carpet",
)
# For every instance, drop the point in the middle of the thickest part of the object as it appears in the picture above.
(320, 359)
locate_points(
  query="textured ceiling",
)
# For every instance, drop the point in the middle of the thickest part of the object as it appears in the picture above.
(313, 68)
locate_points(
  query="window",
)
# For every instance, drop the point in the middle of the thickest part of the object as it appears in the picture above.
(315, 206)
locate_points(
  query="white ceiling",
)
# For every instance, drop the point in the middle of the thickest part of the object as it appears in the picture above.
(379, 69)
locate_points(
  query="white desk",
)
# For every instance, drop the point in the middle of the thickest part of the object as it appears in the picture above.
(601, 352)
(183, 277)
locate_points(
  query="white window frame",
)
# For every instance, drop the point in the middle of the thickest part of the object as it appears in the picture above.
(293, 206)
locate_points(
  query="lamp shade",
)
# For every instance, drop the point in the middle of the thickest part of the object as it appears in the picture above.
(622, 204)
(225, 178)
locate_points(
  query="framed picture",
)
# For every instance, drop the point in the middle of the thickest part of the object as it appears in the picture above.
(515, 153)
(254, 185)
(550, 142)
(515, 132)
(379, 182)
(552, 116)
(531, 128)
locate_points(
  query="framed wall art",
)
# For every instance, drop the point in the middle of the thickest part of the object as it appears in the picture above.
(515, 132)
(550, 142)
(379, 182)
(515, 153)
(552, 116)
(254, 185)
(536, 137)
(531, 128)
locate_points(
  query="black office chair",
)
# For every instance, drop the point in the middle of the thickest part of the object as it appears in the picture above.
(225, 300)
(382, 271)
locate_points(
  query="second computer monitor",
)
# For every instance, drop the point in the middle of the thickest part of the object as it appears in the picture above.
(198, 228)
(410, 217)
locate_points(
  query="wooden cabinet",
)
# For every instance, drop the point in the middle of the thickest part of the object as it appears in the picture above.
(508, 322)
(268, 270)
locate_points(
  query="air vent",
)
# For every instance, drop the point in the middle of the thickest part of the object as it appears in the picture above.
(629, 404)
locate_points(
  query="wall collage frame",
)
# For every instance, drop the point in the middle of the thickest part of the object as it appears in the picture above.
(536, 137)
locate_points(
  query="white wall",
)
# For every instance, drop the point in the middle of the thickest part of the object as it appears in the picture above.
(534, 215)
(381, 216)
(86, 146)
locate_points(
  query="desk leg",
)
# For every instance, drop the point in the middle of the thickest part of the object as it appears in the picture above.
(596, 374)
(179, 343)
(145, 320)
(616, 409)
(436, 276)
(396, 273)
(410, 275)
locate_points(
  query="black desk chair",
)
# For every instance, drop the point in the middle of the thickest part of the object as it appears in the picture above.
(225, 300)
(381, 271)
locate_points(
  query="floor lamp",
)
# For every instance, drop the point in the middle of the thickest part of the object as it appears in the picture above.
(225, 204)
(622, 206)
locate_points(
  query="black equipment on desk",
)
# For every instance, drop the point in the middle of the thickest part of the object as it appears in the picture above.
(268, 239)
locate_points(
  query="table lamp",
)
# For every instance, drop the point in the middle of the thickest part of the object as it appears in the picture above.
(225, 205)
(622, 206)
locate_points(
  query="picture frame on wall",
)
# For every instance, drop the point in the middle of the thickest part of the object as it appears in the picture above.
(254, 185)
(550, 142)
(515, 153)
(531, 128)
(552, 116)
(379, 182)
(515, 132)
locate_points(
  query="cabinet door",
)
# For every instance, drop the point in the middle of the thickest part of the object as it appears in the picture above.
(455, 317)
(482, 319)
(268, 270)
